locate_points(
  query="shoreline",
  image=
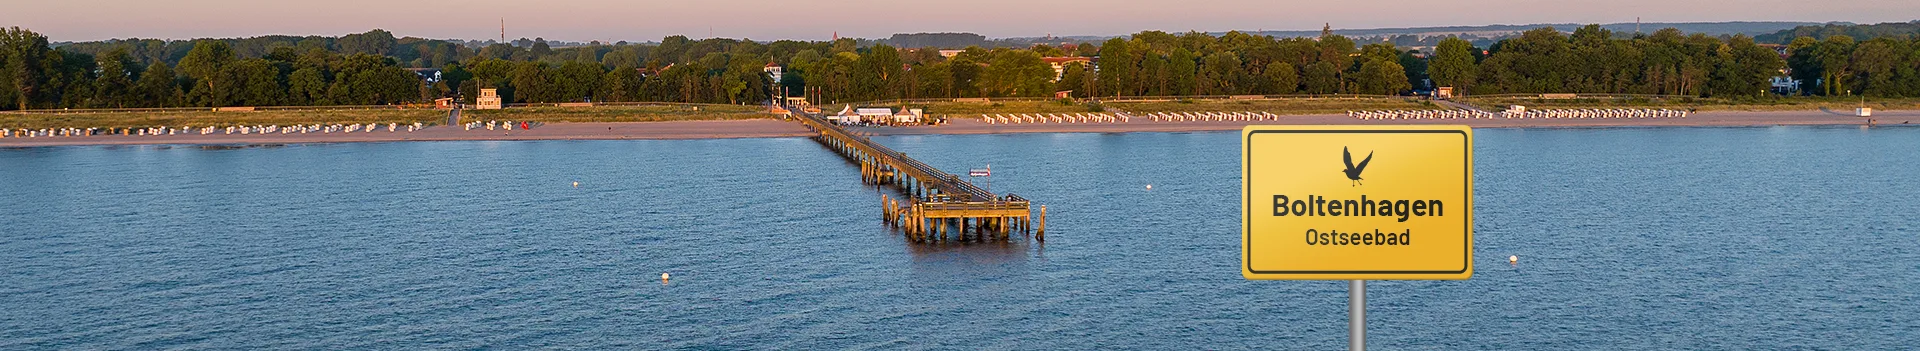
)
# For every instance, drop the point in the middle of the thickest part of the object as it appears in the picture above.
(774, 128)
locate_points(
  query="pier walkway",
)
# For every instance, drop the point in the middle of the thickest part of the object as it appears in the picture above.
(939, 206)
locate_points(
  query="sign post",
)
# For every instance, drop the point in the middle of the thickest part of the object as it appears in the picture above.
(1356, 203)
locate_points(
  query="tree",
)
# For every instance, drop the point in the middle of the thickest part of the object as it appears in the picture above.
(1834, 55)
(531, 83)
(207, 65)
(308, 86)
(1183, 75)
(374, 42)
(575, 80)
(21, 54)
(1018, 73)
(881, 65)
(114, 87)
(1322, 78)
(259, 83)
(1071, 78)
(1381, 77)
(1116, 67)
(1222, 75)
(157, 87)
(620, 85)
(1452, 64)
(1281, 78)
(1873, 63)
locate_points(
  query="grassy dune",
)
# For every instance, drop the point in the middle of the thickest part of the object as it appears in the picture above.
(427, 116)
(215, 119)
(1704, 104)
(1302, 106)
(1299, 106)
(648, 113)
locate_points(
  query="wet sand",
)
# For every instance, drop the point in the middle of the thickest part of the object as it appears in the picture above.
(774, 128)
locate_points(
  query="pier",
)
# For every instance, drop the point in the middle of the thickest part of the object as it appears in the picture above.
(938, 206)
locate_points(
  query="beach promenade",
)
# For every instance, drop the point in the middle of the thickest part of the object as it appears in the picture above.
(775, 128)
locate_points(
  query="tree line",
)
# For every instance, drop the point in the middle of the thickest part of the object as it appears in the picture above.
(372, 68)
(1596, 60)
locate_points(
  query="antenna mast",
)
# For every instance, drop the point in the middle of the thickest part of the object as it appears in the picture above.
(503, 29)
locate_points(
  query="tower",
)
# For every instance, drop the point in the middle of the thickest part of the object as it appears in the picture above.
(503, 29)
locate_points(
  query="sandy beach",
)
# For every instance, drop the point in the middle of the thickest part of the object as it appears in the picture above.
(757, 128)
(774, 128)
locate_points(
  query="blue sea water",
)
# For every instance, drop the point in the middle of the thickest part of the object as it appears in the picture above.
(1629, 238)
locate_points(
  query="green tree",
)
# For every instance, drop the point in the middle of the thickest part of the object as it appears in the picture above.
(1452, 64)
(1322, 78)
(21, 55)
(158, 87)
(1382, 77)
(1222, 74)
(375, 42)
(308, 86)
(1281, 78)
(1873, 63)
(1834, 55)
(207, 65)
(114, 87)
(1117, 68)
(620, 85)
(1018, 73)
(1183, 75)
(575, 80)
(259, 82)
(532, 84)
(1071, 78)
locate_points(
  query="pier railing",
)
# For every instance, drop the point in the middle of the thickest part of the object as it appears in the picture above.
(938, 203)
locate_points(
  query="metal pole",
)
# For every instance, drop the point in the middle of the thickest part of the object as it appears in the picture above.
(1357, 315)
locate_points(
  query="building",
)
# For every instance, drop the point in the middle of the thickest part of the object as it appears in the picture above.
(872, 115)
(431, 75)
(907, 117)
(774, 71)
(1060, 64)
(489, 100)
(1784, 85)
(950, 53)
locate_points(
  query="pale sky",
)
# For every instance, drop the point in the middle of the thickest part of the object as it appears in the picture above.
(647, 20)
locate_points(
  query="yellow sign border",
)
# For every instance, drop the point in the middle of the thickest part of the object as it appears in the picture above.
(1246, 205)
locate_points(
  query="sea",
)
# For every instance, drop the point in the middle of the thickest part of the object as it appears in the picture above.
(1789, 238)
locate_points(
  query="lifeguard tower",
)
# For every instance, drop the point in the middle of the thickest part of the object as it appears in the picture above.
(489, 100)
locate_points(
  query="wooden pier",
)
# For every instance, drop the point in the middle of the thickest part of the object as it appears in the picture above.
(938, 206)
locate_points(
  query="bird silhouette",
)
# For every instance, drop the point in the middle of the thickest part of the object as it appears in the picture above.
(1353, 172)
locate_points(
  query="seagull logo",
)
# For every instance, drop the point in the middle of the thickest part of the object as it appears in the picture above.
(1353, 171)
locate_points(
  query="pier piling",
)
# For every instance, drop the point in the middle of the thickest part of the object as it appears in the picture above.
(935, 200)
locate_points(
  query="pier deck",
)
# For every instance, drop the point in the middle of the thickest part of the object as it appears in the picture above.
(939, 206)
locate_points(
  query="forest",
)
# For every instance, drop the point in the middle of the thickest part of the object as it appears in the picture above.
(375, 68)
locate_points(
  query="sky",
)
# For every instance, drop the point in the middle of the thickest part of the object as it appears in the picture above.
(649, 20)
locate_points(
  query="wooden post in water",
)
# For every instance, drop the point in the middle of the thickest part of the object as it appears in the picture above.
(1041, 233)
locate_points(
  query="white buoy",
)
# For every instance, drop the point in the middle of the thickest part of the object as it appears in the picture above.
(576, 184)
(1149, 186)
(663, 278)
(1513, 260)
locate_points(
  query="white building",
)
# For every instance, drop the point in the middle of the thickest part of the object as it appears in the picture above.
(489, 100)
(908, 116)
(873, 115)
